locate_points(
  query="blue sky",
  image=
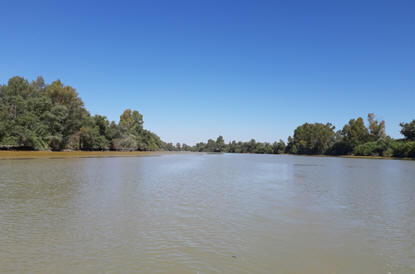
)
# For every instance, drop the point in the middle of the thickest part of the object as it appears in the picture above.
(241, 69)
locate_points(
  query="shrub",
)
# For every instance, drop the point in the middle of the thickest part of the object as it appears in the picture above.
(367, 149)
(403, 149)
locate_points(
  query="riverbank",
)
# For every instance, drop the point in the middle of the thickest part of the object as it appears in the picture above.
(18, 154)
(354, 157)
(13, 154)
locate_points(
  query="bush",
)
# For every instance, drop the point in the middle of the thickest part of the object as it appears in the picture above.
(127, 143)
(9, 142)
(339, 148)
(54, 142)
(403, 149)
(366, 149)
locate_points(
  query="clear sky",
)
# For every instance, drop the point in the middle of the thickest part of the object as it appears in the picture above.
(243, 69)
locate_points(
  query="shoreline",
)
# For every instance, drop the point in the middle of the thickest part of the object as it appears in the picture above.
(375, 157)
(30, 154)
(352, 157)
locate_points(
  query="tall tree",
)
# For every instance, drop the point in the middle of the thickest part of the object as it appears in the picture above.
(220, 144)
(131, 121)
(376, 128)
(314, 138)
(354, 133)
(408, 130)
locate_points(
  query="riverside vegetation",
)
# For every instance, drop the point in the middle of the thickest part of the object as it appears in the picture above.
(39, 116)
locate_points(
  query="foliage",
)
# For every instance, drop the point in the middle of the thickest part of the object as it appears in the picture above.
(238, 147)
(354, 133)
(403, 149)
(41, 116)
(314, 138)
(376, 128)
(125, 143)
(408, 130)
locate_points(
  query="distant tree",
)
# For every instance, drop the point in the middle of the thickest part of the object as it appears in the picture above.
(40, 116)
(103, 125)
(408, 130)
(278, 147)
(90, 139)
(376, 128)
(354, 133)
(170, 147)
(220, 144)
(312, 139)
(186, 147)
(131, 122)
(125, 143)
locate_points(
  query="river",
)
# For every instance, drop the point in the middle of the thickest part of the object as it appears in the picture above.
(207, 213)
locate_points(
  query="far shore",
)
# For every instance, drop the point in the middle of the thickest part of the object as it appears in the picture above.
(355, 157)
(32, 154)
(29, 154)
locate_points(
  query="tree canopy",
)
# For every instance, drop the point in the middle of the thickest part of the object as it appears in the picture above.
(408, 130)
(52, 116)
(39, 116)
(314, 138)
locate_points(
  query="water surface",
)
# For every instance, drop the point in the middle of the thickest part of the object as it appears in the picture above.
(211, 213)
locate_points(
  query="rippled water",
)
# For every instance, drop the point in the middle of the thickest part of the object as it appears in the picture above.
(208, 213)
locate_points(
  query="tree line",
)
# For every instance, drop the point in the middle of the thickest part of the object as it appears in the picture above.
(39, 116)
(355, 138)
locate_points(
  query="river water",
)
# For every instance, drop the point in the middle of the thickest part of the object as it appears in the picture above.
(207, 213)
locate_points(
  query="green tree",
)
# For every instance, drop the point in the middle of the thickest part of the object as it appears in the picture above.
(210, 146)
(220, 144)
(314, 138)
(52, 116)
(103, 125)
(90, 139)
(131, 122)
(408, 130)
(354, 133)
(376, 128)
(278, 147)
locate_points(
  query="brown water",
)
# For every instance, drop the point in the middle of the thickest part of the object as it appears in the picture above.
(212, 213)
